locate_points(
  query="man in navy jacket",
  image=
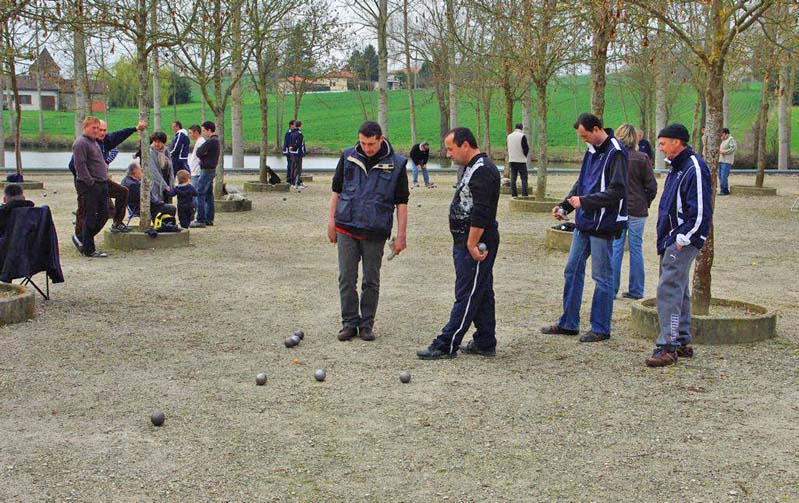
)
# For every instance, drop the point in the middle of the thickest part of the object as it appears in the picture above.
(684, 218)
(600, 198)
(179, 150)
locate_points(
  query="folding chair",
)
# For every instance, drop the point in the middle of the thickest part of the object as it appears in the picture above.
(131, 216)
(30, 246)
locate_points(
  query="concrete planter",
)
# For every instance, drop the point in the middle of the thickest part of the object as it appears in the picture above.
(532, 205)
(306, 178)
(26, 185)
(751, 190)
(557, 239)
(141, 241)
(232, 206)
(17, 304)
(265, 187)
(754, 323)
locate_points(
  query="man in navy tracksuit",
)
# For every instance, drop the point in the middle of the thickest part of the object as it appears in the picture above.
(296, 151)
(684, 219)
(600, 198)
(286, 139)
(472, 220)
(180, 148)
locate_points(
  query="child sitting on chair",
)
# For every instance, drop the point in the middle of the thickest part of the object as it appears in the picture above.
(186, 194)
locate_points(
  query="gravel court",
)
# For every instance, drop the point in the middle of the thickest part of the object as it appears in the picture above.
(546, 419)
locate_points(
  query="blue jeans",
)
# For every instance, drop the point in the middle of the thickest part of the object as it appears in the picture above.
(600, 251)
(724, 175)
(195, 179)
(635, 235)
(205, 196)
(416, 173)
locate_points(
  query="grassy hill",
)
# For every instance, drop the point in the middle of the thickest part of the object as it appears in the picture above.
(330, 120)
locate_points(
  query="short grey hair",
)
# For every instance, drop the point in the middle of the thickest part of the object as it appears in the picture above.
(133, 167)
(627, 135)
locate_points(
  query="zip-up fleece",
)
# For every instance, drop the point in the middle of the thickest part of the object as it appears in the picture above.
(602, 187)
(685, 212)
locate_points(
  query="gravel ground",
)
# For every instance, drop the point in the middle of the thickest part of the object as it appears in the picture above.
(547, 419)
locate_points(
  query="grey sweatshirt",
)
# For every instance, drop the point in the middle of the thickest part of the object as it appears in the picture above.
(90, 165)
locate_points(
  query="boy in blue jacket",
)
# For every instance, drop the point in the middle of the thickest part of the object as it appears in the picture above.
(186, 194)
(684, 219)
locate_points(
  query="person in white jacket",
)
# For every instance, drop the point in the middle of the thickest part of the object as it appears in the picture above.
(517, 157)
(726, 159)
(196, 136)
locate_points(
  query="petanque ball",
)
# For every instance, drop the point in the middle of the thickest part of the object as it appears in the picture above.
(300, 334)
(55, 192)
(320, 375)
(419, 205)
(482, 247)
(289, 342)
(295, 340)
(284, 198)
(405, 376)
(260, 379)
(157, 418)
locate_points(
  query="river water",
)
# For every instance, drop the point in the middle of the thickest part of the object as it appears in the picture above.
(54, 160)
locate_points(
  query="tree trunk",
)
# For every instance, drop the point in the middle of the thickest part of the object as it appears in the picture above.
(263, 101)
(527, 120)
(763, 132)
(2, 102)
(38, 75)
(410, 75)
(785, 94)
(661, 88)
(79, 66)
(202, 111)
(452, 71)
(12, 71)
(543, 159)
(382, 67)
(144, 114)
(237, 140)
(602, 27)
(487, 125)
(695, 126)
(443, 119)
(156, 77)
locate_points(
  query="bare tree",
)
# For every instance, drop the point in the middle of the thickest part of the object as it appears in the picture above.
(726, 20)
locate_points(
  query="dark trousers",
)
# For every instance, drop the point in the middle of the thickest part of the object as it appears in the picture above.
(178, 164)
(119, 193)
(474, 300)
(296, 170)
(518, 169)
(288, 169)
(95, 212)
(359, 312)
(185, 215)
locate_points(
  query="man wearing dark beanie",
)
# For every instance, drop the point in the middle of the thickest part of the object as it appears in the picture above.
(599, 197)
(684, 219)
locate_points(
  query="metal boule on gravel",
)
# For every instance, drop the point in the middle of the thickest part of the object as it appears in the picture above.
(295, 339)
(260, 379)
(419, 205)
(320, 375)
(157, 418)
(405, 376)
(300, 334)
(289, 342)
(482, 247)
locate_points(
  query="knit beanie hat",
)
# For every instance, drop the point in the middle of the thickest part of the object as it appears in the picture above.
(676, 131)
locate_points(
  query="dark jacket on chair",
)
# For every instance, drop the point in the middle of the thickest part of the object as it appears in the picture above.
(30, 245)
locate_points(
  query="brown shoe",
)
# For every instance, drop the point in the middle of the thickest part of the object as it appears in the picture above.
(366, 334)
(661, 358)
(556, 330)
(347, 333)
(685, 351)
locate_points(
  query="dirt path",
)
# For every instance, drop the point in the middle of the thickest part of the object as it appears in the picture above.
(547, 419)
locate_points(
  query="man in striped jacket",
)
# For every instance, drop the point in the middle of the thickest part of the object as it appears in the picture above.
(684, 218)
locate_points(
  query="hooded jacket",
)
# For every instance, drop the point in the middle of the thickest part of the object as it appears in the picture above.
(179, 150)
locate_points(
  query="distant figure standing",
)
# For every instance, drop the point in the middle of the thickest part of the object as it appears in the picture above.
(517, 157)
(91, 183)
(179, 149)
(641, 191)
(296, 147)
(286, 139)
(645, 147)
(684, 218)
(195, 134)
(208, 153)
(419, 155)
(726, 160)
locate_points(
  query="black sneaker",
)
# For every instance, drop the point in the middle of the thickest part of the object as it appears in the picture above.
(209, 224)
(197, 225)
(472, 349)
(594, 337)
(432, 353)
(628, 295)
(98, 254)
(556, 330)
(366, 334)
(347, 333)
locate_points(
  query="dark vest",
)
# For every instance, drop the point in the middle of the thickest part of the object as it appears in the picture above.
(366, 201)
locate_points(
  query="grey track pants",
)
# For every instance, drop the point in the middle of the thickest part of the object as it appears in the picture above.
(673, 296)
(350, 253)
